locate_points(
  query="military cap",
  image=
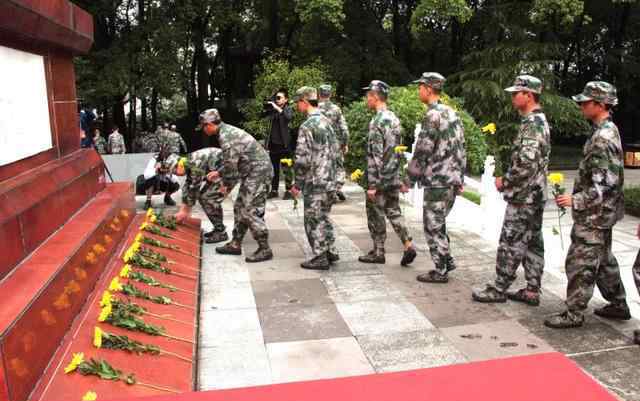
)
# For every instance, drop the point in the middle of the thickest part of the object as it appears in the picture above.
(378, 86)
(172, 161)
(210, 116)
(526, 83)
(306, 93)
(325, 90)
(432, 79)
(598, 91)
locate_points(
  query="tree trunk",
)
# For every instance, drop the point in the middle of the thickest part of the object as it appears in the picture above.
(119, 119)
(202, 65)
(143, 113)
(154, 109)
(132, 120)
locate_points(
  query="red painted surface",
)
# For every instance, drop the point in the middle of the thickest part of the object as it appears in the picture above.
(542, 377)
(163, 370)
(45, 293)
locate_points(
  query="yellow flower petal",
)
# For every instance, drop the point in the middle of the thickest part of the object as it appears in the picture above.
(105, 312)
(150, 212)
(124, 273)
(490, 128)
(138, 237)
(400, 149)
(90, 396)
(115, 285)
(75, 361)
(106, 299)
(143, 226)
(153, 219)
(97, 337)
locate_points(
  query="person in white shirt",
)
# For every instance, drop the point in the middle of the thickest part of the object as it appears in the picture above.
(158, 177)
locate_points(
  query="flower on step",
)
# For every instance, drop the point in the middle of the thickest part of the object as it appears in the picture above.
(150, 212)
(91, 258)
(143, 226)
(108, 239)
(106, 299)
(98, 249)
(489, 128)
(48, 318)
(90, 396)
(81, 274)
(124, 273)
(62, 302)
(153, 219)
(124, 213)
(75, 361)
(72, 287)
(400, 149)
(115, 285)
(97, 337)
(138, 237)
(105, 312)
(116, 220)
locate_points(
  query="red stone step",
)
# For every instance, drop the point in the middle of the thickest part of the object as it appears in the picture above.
(162, 370)
(44, 294)
(35, 205)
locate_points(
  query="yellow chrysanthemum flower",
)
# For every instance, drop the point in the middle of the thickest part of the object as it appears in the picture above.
(356, 175)
(115, 285)
(105, 312)
(556, 178)
(400, 149)
(75, 361)
(489, 128)
(182, 162)
(286, 162)
(127, 256)
(106, 299)
(150, 212)
(153, 219)
(90, 396)
(143, 226)
(138, 237)
(124, 273)
(97, 337)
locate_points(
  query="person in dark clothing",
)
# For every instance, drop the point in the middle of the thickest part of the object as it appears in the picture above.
(279, 142)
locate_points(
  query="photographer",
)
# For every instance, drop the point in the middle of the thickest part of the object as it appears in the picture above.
(158, 177)
(279, 142)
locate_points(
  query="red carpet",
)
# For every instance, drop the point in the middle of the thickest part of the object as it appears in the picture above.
(544, 377)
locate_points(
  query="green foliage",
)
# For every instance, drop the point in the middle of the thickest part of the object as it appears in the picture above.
(632, 200)
(404, 102)
(276, 72)
(472, 196)
(563, 11)
(440, 11)
(327, 11)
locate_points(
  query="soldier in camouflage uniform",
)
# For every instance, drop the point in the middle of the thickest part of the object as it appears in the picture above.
(100, 143)
(246, 162)
(315, 168)
(524, 188)
(174, 141)
(333, 113)
(202, 186)
(116, 143)
(636, 279)
(438, 165)
(597, 204)
(151, 142)
(383, 165)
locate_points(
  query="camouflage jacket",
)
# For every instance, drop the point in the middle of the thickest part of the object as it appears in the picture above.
(151, 143)
(334, 114)
(174, 141)
(598, 198)
(383, 163)
(101, 145)
(525, 181)
(201, 163)
(315, 164)
(242, 156)
(116, 144)
(439, 157)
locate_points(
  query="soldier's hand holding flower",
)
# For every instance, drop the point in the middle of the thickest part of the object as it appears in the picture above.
(212, 176)
(295, 191)
(224, 190)
(564, 200)
(404, 188)
(371, 194)
(499, 184)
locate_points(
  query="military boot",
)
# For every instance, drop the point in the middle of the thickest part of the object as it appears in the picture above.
(450, 263)
(613, 311)
(261, 254)
(489, 295)
(341, 196)
(564, 320)
(230, 248)
(332, 257)
(376, 255)
(213, 237)
(168, 200)
(408, 256)
(433, 276)
(526, 296)
(147, 204)
(636, 336)
(318, 263)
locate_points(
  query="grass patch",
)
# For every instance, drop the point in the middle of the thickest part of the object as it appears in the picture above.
(472, 196)
(632, 200)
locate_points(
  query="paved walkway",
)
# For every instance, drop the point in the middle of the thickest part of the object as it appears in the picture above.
(275, 322)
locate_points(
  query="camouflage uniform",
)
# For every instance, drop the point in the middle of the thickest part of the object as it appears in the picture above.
(116, 143)
(151, 143)
(174, 141)
(438, 165)
(383, 165)
(334, 114)
(197, 187)
(315, 169)
(247, 162)
(100, 144)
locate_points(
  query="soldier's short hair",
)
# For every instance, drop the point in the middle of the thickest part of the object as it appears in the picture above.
(380, 88)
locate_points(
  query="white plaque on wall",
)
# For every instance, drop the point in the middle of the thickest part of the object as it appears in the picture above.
(25, 128)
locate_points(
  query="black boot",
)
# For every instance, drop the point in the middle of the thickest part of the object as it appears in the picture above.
(230, 248)
(375, 255)
(147, 204)
(341, 196)
(615, 312)
(450, 263)
(408, 256)
(318, 263)
(213, 237)
(332, 257)
(168, 200)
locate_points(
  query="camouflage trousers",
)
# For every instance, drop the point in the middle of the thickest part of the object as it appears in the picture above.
(387, 204)
(249, 208)
(636, 272)
(590, 262)
(341, 174)
(317, 225)
(521, 242)
(436, 206)
(211, 201)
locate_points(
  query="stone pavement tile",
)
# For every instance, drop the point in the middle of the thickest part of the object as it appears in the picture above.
(317, 359)
(449, 311)
(404, 279)
(233, 366)
(349, 289)
(278, 236)
(382, 316)
(616, 370)
(300, 322)
(287, 250)
(281, 269)
(348, 265)
(407, 351)
(219, 296)
(271, 294)
(549, 304)
(496, 339)
(229, 328)
(593, 335)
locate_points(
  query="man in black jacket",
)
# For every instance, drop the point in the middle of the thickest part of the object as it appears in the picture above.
(279, 142)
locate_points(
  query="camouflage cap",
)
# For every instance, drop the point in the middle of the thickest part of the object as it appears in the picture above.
(306, 93)
(432, 79)
(210, 116)
(325, 90)
(526, 83)
(378, 86)
(172, 161)
(598, 91)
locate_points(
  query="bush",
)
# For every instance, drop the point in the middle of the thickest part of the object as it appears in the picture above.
(632, 200)
(275, 72)
(472, 196)
(405, 103)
